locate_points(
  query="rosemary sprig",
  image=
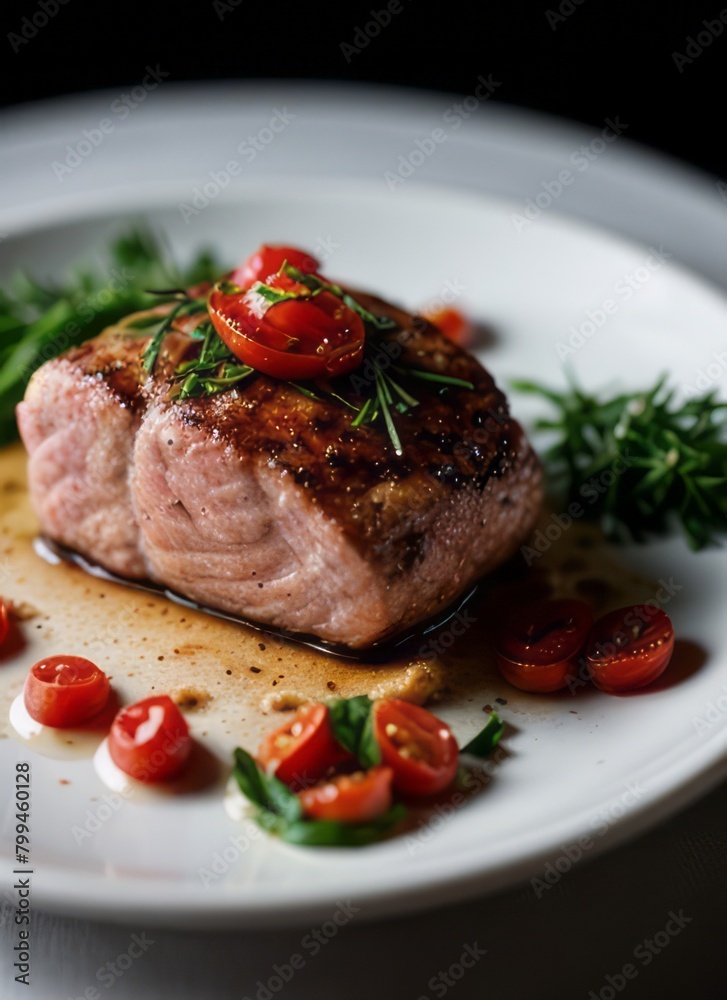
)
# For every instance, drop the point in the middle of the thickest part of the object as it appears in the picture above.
(389, 397)
(185, 307)
(640, 461)
(40, 320)
(215, 369)
(316, 285)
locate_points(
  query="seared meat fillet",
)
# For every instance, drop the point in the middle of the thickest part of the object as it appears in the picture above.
(78, 421)
(265, 503)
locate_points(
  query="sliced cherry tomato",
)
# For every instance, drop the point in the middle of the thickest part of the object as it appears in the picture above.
(350, 798)
(453, 324)
(298, 338)
(150, 740)
(65, 691)
(268, 260)
(304, 749)
(4, 621)
(629, 648)
(416, 745)
(538, 646)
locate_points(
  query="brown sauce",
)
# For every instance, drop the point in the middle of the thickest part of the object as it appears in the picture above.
(52, 552)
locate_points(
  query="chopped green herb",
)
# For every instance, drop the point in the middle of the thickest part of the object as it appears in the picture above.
(640, 461)
(352, 724)
(317, 285)
(274, 296)
(327, 833)
(39, 321)
(279, 811)
(487, 739)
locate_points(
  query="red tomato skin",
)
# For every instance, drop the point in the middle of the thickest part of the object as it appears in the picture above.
(538, 679)
(4, 621)
(435, 766)
(300, 761)
(164, 747)
(268, 261)
(453, 324)
(534, 657)
(263, 342)
(629, 648)
(355, 798)
(82, 694)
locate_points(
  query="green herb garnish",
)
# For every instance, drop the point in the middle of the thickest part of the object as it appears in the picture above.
(317, 285)
(186, 307)
(352, 725)
(388, 397)
(279, 811)
(38, 321)
(487, 739)
(214, 370)
(638, 462)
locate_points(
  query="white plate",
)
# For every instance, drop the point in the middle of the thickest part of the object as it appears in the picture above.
(360, 131)
(612, 768)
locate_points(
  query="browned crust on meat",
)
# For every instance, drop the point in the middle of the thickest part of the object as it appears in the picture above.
(421, 526)
(455, 439)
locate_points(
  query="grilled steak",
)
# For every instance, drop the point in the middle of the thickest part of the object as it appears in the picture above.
(79, 420)
(268, 504)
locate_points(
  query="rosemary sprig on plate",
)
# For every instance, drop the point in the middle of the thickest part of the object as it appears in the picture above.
(640, 460)
(39, 321)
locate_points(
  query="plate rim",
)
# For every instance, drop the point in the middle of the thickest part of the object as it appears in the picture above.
(680, 783)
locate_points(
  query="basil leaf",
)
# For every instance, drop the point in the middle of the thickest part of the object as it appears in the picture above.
(487, 739)
(326, 833)
(265, 790)
(380, 322)
(272, 295)
(352, 725)
(280, 811)
(369, 751)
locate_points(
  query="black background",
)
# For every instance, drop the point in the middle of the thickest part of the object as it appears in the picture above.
(602, 58)
(607, 58)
